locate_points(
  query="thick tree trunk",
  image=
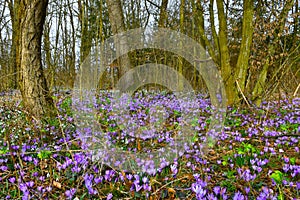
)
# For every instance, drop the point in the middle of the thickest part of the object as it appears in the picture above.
(32, 82)
(116, 19)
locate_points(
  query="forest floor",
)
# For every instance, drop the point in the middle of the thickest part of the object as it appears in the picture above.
(256, 156)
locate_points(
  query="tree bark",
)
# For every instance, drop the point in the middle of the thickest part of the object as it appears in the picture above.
(86, 39)
(181, 26)
(13, 9)
(33, 86)
(163, 14)
(213, 28)
(204, 39)
(72, 69)
(247, 30)
(116, 18)
(226, 70)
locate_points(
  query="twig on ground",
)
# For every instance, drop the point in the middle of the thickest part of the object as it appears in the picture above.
(184, 177)
(240, 90)
(294, 95)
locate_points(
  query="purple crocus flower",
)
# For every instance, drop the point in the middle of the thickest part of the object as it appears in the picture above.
(30, 184)
(24, 189)
(247, 190)
(137, 186)
(39, 188)
(146, 187)
(88, 183)
(12, 179)
(98, 179)
(129, 176)
(200, 192)
(145, 179)
(3, 168)
(217, 190)
(109, 196)
(70, 193)
(211, 196)
(298, 185)
(238, 196)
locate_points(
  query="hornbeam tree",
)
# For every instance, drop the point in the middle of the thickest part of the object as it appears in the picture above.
(32, 82)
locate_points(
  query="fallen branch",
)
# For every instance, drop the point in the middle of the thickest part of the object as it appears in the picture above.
(296, 90)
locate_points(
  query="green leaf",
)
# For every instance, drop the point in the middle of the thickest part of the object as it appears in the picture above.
(241, 151)
(136, 194)
(195, 137)
(4, 151)
(280, 197)
(240, 161)
(277, 176)
(194, 122)
(293, 160)
(82, 197)
(44, 154)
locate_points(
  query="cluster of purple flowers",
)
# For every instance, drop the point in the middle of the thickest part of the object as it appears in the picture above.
(78, 174)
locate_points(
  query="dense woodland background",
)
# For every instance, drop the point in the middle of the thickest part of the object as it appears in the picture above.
(254, 43)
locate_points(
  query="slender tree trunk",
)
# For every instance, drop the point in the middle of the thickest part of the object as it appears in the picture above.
(212, 21)
(226, 70)
(13, 9)
(247, 30)
(72, 70)
(181, 26)
(100, 39)
(47, 49)
(163, 14)
(203, 36)
(296, 21)
(33, 84)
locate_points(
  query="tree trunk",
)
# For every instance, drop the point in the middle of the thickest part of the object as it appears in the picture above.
(203, 36)
(257, 93)
(86, 39)
(180, 59)
(13, 9)
(50, 75)
(32, 82)
(163, 14)
(117, 26)
(212, 21)
(247, 30)
(72, 69)
(227, 73)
